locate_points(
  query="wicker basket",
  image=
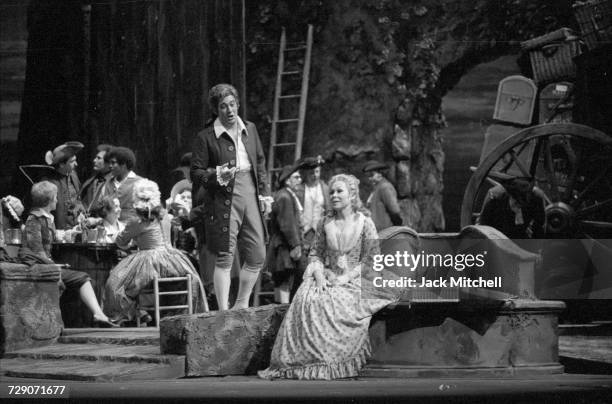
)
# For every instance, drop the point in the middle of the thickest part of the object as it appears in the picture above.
(595, 20)
(552, 55)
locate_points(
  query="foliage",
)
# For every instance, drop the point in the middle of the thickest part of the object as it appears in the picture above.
(265, 20)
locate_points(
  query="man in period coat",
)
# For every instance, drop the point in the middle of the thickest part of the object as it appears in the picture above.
(122, 161)
(285, 248)
(382, 202)
(313, 194)
(93, 187)
(230, 182)
(64, 162)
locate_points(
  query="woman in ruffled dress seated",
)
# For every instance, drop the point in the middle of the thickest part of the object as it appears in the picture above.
(109, 210)
(155, 258)
(324, 334)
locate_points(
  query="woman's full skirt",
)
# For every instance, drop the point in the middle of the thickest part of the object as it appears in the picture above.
(324, 334)
(137, 271)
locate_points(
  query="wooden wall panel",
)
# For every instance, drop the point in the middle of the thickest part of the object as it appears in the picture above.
(140, 81)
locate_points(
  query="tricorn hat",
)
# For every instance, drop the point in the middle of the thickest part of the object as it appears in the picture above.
(374, 165)
(285, 173)
(62, 152)
(310, 162)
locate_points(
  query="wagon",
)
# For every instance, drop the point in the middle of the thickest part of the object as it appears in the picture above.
(569, 165)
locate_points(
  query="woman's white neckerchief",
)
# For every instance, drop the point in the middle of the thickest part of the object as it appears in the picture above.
(345, 241)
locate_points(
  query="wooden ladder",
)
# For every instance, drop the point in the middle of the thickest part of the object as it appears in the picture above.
(281, 135)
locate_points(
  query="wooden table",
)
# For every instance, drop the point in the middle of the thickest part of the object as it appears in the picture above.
(94, 259)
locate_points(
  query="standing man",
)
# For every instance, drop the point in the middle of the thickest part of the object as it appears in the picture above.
(313, 194)
(285, 234)
(228, 164)
(121, 185)
(69, 206)
(91, 190)
(382, 202)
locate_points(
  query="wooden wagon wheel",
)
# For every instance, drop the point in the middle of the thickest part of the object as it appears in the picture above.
(570, 163)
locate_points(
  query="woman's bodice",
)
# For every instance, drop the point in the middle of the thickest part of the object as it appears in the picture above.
(146, 234)
(340, 252)
(112, 230)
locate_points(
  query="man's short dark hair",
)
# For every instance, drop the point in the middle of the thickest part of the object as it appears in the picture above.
(123, 155)
(104, 148)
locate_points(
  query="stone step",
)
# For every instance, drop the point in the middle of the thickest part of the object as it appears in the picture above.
(123, 336)
(603, 328)
(96, 355)
(81, 370)
(587, 347)
(98, 352)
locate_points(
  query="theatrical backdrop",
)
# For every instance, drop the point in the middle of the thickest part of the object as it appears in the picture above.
(411, 83)
(489, 112)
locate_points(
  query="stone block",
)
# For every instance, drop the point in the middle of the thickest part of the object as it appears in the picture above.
(534, 325)
(29, 306)
(230, 342)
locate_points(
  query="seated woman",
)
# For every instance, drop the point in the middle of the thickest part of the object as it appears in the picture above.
(179, 205)
(109, 210)
(324, 334)
(155, 258)
(39, 235)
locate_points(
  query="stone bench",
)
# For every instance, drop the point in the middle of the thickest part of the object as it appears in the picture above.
(488, 331)
(473, 338)
(504, 259)
(500, 331)
(29, 306)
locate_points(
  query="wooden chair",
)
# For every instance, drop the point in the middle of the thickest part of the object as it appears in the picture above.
(157, 294)
(258, 292)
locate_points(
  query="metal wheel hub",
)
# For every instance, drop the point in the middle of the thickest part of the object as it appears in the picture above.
(559, 217)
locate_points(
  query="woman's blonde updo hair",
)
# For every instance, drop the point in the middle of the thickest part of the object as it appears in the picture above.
(147, 199)
(352, 183)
